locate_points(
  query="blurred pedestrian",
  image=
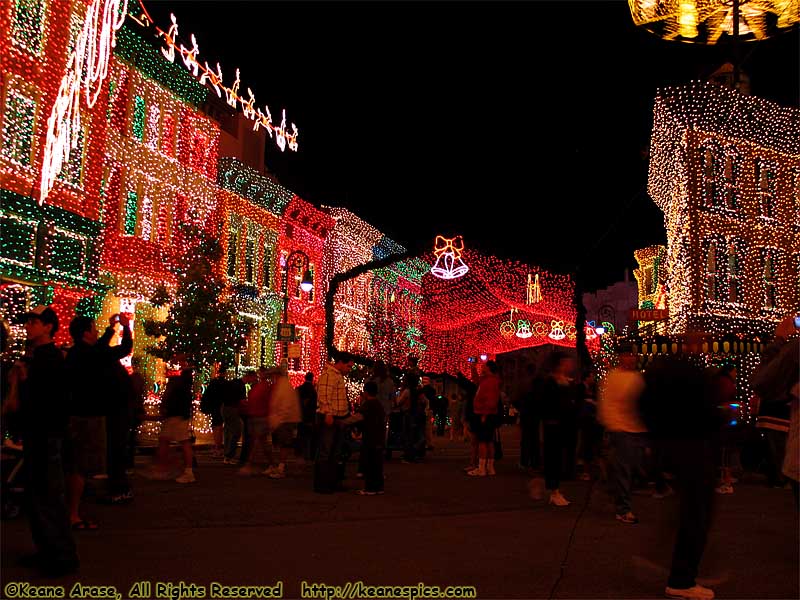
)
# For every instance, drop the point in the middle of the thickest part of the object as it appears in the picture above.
(371, 423)
(559, 398)
(257, 410)
(176, 426)
(678, 409)
(618, 411)
(487, 420)
(284, 416)
(308, 403)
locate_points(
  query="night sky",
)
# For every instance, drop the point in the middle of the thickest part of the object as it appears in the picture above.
(522, 126)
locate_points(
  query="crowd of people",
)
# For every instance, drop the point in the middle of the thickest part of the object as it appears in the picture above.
(77, 414)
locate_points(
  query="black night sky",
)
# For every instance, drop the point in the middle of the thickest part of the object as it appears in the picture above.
(522, 125)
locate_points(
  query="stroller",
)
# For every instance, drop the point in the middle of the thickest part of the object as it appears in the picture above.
(11, 490)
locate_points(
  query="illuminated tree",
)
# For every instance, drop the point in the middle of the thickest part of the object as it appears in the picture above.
(202, 323)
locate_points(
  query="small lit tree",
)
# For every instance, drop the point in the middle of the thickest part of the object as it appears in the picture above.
(202, 324)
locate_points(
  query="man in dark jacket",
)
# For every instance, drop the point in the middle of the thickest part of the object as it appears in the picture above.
(98, 407)
(43, 417)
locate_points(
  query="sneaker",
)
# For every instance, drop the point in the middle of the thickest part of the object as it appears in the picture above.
(269, 470)
(469, 468)
(667, 492)
(477, 472)
(366, 493)
(725, 488)
(557, 499)
(696, 592)
(187, 477)
(228, 461)
(628, 518)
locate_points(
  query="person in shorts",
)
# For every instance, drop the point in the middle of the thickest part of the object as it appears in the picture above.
(256, 409)
(176, 426)
(284, 416)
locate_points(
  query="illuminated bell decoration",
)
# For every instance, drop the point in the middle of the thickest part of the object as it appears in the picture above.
(557, 330)
(448, 263)
(524, 329)
(591, 332)
(704, 21)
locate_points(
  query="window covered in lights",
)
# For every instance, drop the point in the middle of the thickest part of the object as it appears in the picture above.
(18, 120)
(146, 228)
(72, 171)
(249, 259)
(131, 210)
(734, 271)
(153, 126)
(266, 266)
(730, 174)
(168, 135)
(233, 248)
(712, 270)
(709, 175)
(198, 150)
(765, 184)
(770, 279)
(139, 113)
(28, 24)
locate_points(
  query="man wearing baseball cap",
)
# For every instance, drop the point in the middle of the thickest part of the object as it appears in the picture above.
(44, 424)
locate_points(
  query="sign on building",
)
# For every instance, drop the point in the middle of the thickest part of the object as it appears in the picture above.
(648, 314)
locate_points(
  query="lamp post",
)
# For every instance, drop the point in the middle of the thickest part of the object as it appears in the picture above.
(297, 258)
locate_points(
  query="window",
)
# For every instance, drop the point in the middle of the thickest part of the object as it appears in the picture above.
(249, 259)
(709, 175)
(266, 266)
(72, 172)
(711, 270)
(131, 211)
(770, 280)
(26, 28)
(730, 173)
(233, 248)
(18, 127)
(168, 136)
(197, 151)
(153, 126)
(733, 272)
(18, 242)
(139, 112)
(765, 184)
(146, 230)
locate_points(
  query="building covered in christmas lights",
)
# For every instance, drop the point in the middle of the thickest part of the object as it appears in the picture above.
(159, 176)
(303, 233)
(350, 244)
(725, 170)
(49, 250)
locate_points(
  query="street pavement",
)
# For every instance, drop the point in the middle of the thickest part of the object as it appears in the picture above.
(434, 525)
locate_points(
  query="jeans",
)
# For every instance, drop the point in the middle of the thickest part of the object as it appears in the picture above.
(232, 424)
(628, 456)
(328, 470)
(45, 498)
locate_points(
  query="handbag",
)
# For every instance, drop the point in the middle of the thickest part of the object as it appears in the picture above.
(498, 445)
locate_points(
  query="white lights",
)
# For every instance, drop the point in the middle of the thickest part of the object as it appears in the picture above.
(448, 263)
(87, 66)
